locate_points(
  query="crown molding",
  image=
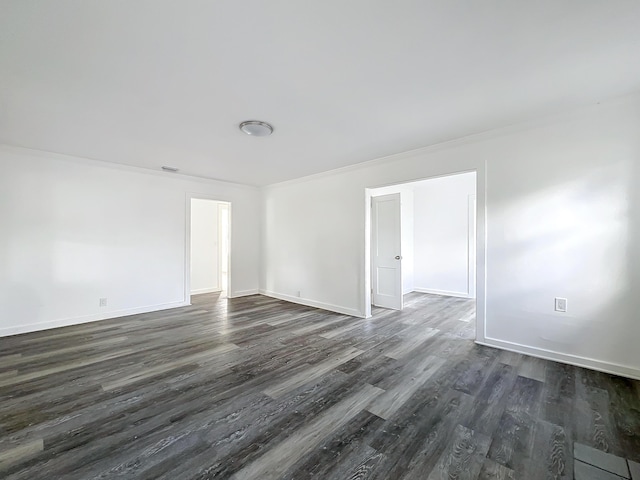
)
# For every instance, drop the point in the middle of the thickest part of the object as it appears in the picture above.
(531, 124)
(17, 150)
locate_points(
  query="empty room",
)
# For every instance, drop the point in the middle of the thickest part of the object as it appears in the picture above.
(332, 240)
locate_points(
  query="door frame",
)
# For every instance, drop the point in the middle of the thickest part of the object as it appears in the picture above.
(187, 243)
(220, 241)
(480, 254)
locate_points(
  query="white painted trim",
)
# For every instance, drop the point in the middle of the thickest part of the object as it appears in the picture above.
(366, 266)
(243, 293)
(312, 303)
(187, 247)
(578, 361)
(442, 292)
(67, 322)
(5, 147)
(198, 291)
(471, 245)
(230, 230)
(221, 240)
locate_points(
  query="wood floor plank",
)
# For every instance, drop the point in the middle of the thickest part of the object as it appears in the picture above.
(551, 455)
(345, 454)
(513, 440)
(625, 410)
(422, 444)
(474, 375)
(12, 380)
(11, 454)
(8, 373)
(150, 372)
(277, 460)
(494, 471)
(534, 368)
(464, 458)
(490, 403)
(391, 400)
(256, 387)
(8, 360)
(311, 372)
(411, 340)
(320, 324)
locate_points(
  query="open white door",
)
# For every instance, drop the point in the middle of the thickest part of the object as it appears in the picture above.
(386, 257)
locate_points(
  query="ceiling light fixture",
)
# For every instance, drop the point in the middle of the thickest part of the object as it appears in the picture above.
(256, 128)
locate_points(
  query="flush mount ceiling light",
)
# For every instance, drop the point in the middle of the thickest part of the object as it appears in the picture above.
(256, 128)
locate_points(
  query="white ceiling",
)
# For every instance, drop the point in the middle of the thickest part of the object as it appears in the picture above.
(166, 82)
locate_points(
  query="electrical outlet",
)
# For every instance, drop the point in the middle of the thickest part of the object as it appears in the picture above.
(560, 304)
(103, 302)
(298, 294)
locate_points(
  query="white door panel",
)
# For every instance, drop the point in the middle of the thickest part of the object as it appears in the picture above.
(386, 254)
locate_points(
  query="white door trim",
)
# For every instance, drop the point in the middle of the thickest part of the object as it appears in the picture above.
(471, 246)
(221, 207)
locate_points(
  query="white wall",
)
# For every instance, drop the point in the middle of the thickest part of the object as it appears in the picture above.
(562, 208)
(205, 268)
(442, 233)
(73, 231)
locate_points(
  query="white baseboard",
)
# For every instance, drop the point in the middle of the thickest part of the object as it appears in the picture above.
(442, 292)
(312, 303)
(591, 363)
(198, 291)
(243, 293)
(66, 322)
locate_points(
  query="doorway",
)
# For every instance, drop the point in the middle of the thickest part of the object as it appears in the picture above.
(423, 239)
(209, 246)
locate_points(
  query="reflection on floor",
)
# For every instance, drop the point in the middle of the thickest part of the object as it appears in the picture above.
(255, 387)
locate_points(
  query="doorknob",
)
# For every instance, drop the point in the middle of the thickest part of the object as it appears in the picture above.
(398, 257)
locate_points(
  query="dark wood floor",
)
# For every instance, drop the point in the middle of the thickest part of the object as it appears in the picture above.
(256, 388)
